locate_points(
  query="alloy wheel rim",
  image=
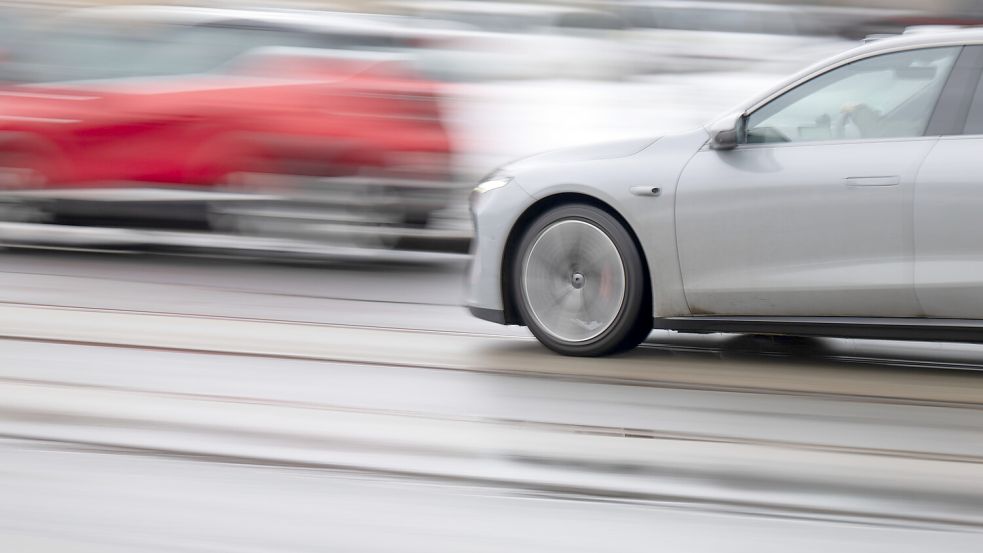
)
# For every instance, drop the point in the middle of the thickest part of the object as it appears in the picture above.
(573, 280)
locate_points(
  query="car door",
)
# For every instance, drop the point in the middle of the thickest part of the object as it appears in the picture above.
(948, 212)
(811, 215)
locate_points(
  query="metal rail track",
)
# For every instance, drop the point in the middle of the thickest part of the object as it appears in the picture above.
(531, 370)
(762, 509)
(567, 428)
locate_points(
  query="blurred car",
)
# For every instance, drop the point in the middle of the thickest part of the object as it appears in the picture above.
(843, 202)
(215, 97)
(684, 35)
(893, 22)
(485, 40)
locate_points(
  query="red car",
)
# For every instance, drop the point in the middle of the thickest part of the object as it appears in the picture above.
(201, 97)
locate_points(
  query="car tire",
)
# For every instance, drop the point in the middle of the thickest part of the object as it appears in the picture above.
(579, 283)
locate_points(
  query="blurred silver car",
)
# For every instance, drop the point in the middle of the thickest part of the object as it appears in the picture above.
(687, 35)
(512, 40)
(845, 202)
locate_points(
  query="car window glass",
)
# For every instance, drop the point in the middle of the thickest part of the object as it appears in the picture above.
(887, 96)
(705, 20)
(206, 47)
(974, 120)
(109, 50)
(591, 21)
(718, 19)
(491, 22)
(83, 50)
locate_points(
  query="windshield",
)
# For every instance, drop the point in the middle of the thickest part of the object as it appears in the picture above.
(107, 52)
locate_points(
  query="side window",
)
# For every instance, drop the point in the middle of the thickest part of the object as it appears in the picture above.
(974, 119)
(886, 96)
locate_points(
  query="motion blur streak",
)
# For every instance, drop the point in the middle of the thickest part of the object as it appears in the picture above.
(232, 261)
(312, 122)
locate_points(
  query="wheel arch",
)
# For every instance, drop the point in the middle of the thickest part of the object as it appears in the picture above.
(530, 214)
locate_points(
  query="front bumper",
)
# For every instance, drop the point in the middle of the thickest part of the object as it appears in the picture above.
(494, 214)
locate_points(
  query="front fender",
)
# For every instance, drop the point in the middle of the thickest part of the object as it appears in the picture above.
(650, 218)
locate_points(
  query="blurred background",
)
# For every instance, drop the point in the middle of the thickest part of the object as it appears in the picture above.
(363, 123)
(232, 244)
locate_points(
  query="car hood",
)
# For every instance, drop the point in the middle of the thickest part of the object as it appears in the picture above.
(22, 103)
(591, 152)
(64, 102)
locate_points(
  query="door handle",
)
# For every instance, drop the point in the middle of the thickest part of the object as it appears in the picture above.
(646, 190)
(873, 181)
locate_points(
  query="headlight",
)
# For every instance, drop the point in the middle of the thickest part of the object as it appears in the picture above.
(485, 186)
(491, 184)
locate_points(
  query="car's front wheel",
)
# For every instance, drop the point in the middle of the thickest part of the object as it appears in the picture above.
(579, 283)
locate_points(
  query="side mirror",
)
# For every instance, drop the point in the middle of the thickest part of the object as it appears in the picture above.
(725, 133)
(724, 140)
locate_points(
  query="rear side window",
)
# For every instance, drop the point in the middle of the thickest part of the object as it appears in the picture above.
(974, 119)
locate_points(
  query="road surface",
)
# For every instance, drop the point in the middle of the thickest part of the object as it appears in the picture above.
(179, 403)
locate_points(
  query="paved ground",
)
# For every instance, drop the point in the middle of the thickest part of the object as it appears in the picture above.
(198, 404)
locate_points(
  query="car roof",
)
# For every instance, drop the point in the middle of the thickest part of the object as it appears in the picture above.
(908, 41)
(929, 36)
(926, 38)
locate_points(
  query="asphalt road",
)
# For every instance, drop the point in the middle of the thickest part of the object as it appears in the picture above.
(152, 403)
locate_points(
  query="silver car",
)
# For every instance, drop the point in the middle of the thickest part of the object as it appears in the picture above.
(846, 202)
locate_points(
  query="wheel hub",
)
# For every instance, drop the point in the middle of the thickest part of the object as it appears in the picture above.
(574, 280)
